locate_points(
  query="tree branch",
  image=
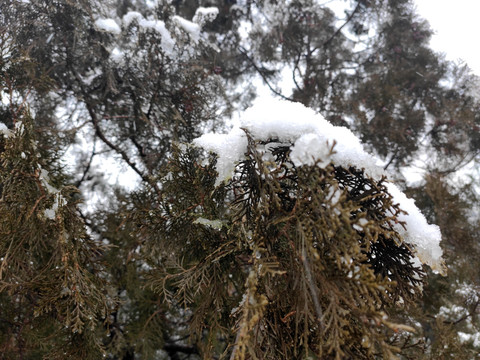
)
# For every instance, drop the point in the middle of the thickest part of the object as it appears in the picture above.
(391, 159)
(85, 172)
(119, 151)
(350, 17)
(101, 135)
(265, 80)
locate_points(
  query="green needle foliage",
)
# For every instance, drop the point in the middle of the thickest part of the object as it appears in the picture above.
(282, 262)
(52, 292)
(278, 263)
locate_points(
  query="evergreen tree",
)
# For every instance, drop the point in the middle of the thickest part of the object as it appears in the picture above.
(284, 261)
(124, 82)
(52, 278)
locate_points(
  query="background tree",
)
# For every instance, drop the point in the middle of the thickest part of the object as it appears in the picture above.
(51, 274)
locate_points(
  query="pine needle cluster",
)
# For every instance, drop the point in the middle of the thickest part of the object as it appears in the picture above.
(282, 262)
(51, 289)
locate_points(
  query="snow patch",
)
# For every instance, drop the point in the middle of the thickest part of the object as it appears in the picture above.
(230, 149)
(191, 28)
(117, 55)
(129, 17)
(311, 149)
(425, 237)
(4, 130)
(58, 201)
(204, 15)
(108, 25)
(215, 224)
(166, 40)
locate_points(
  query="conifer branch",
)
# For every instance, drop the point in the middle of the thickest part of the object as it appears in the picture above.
(264, 77)
(98, 131)
(312, 287)
(350, 17)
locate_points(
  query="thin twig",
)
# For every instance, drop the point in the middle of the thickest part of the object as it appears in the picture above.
(391, 159)
(325, 44)
(312, 287)
(85, 172)
(260, 72)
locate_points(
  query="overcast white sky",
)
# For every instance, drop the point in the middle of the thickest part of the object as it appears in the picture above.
(457, 28)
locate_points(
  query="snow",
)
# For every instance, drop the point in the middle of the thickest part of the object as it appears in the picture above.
(45, 179)
(58, 200)
(19, 128)
(215, 224)
(159, 26)
(469, 338)
(312, 138)
(425, 237)
(108, 25)
(190, 27)
(310, 149)
(168, 44)
(117, 55)
(230, 149)
(204, 15)
(311, 135)
(129, 17)
(4, 130)
(90, 76)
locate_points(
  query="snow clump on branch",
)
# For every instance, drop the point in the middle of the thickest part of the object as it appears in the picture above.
(313, 138)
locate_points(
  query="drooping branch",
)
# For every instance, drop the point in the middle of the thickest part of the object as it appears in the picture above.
(98, 132)
(119, 151)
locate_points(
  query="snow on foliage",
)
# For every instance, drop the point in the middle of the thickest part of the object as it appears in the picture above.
(190, 27)
(313, 138)
(204, 15)
(4, 129)
(108, 25)
(159, 26)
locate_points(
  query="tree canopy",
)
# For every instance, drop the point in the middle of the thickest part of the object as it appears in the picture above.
(147, 214)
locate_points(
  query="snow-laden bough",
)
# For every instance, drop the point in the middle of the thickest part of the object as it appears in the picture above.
(313, 137)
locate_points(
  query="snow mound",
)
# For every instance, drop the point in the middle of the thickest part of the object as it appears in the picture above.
(4, 130)
(190, 27)
(204, 15)
(313, 137)
(108, 25)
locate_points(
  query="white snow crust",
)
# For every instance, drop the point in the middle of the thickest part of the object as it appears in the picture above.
(313, 137)
(204, 15)
(190, 27)
(4, 130)
(108, 25)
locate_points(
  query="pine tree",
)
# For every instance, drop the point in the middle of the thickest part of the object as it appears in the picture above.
(125, 82)
(52, 280)
(282, 262)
